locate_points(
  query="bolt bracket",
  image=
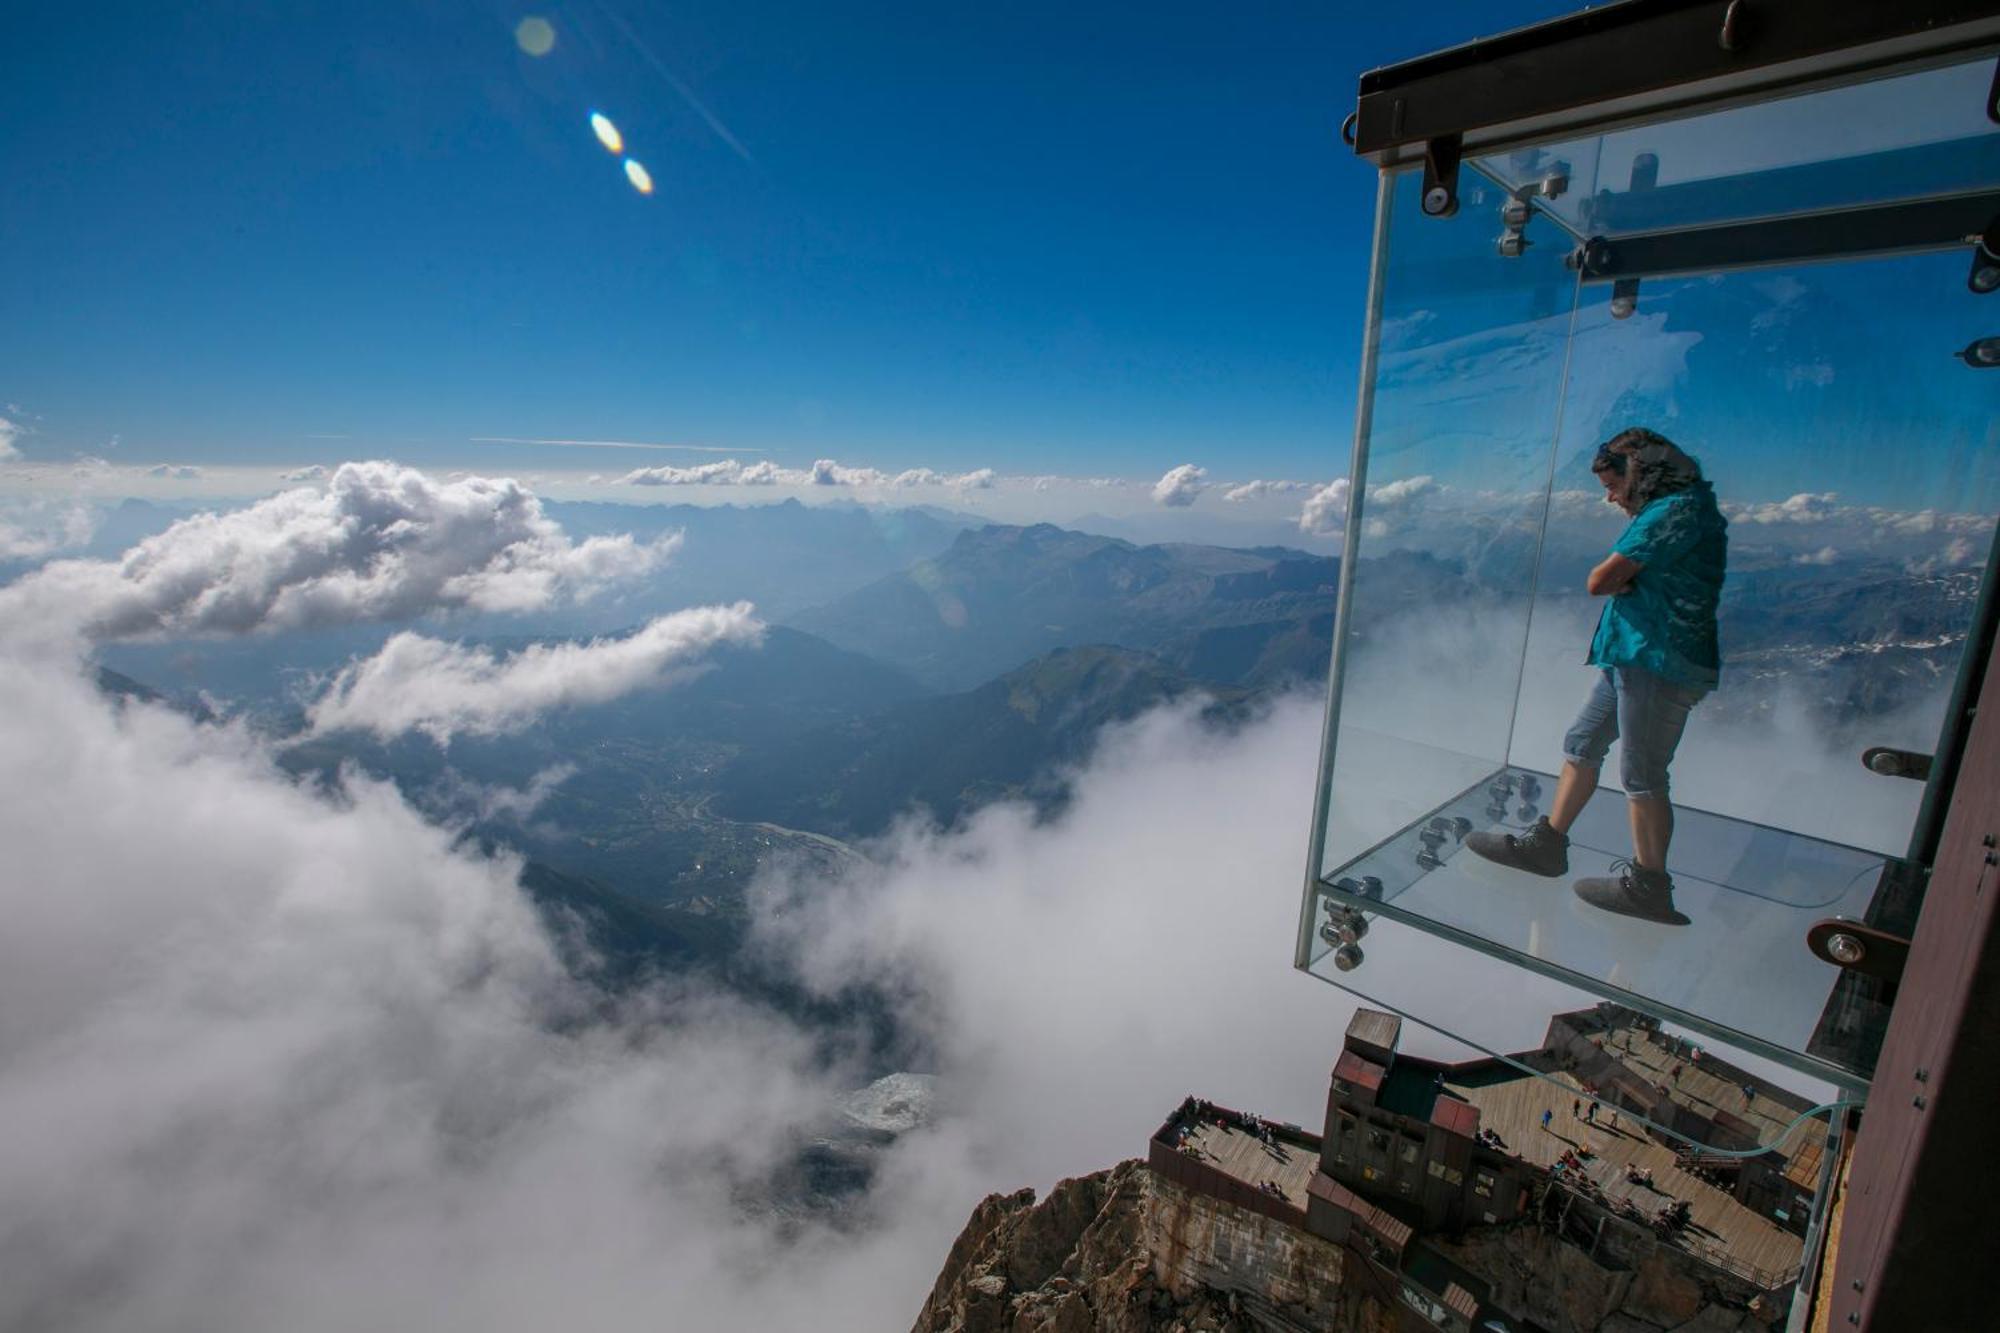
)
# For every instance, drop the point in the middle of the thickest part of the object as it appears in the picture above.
(1855, 946)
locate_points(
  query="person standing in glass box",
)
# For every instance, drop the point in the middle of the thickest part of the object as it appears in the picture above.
(1656, 652)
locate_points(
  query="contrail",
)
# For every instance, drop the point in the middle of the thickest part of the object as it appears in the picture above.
(612, 444)
(673, 81)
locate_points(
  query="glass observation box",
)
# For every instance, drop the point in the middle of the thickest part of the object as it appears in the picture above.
(1775, 245)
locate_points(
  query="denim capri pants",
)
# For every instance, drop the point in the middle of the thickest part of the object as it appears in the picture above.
(1647, 711)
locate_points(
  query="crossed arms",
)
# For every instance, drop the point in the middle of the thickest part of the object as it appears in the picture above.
(1613, 576)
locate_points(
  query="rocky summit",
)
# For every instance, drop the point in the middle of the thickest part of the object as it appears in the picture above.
(1077, 1261)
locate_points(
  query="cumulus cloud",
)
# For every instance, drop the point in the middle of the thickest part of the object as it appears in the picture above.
(1805, 507)
(310, 472)
(1399, 494)
(444, 689)
(1326, 509)
(724, 472)
(174, 472)
(980, 479)
(9, 432)
(1257, 490)
(379, 542)
(1825, 555)
(826, 472)
(1180, 486)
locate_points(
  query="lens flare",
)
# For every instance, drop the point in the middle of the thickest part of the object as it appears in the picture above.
(607, 133)
(535, 35)
(642, 179)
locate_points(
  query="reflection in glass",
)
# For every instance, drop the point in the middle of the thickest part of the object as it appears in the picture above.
(1910, 136)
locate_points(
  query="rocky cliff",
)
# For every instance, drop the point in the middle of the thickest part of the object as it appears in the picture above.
(1124, 1252)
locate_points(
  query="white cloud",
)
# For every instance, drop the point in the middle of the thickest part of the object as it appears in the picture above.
(174, 472)
(726, 472)
(1394, 495)
(326, 1070)
(1180, 486)
(980, 479)
(826, 472)
(454, 796)
(33, 529)
(379, 542)
(444, 689)
(310, 472)
(9, 432)
(1825, 555)
(1805, 507)
(1257, 490)
(1326, 509)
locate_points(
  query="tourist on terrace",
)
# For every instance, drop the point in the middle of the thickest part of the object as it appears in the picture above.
(1656, 651)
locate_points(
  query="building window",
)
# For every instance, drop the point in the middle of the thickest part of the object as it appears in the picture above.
(1368, 1173)
(1347, 1127)
(1437, 1170)
(1482, 1185)
(1454, 1177)
(1378, 1142)
(1410, 1150)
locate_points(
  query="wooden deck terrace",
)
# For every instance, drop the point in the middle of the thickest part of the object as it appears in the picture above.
(1701, 1088)
(1244, 1156)
(1722, 1231)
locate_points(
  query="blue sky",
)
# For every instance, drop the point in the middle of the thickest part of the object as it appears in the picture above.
(1031, 237)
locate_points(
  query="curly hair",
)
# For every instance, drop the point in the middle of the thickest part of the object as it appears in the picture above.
(1658, 465)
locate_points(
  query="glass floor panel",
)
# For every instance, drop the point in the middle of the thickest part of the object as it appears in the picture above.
(1739, 969)
(1654, 1075)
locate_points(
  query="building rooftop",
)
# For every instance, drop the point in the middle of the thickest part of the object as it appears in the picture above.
(1709, 1087)
(1287, 1160)
(1721, 1230)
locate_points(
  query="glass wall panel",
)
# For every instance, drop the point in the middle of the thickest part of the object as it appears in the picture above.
(1443, 545)
(1905, 137)
(1844, 434)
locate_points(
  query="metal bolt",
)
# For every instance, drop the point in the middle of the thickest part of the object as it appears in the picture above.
(1436, 200)
(1918, 1102)
(1988, 841)
(1924, 1075)
(1845, 949)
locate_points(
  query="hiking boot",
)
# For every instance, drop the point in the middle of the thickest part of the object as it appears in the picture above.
(1539, 851)
(1634, 891)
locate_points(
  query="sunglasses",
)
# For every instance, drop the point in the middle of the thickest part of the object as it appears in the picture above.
(1608, 460)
